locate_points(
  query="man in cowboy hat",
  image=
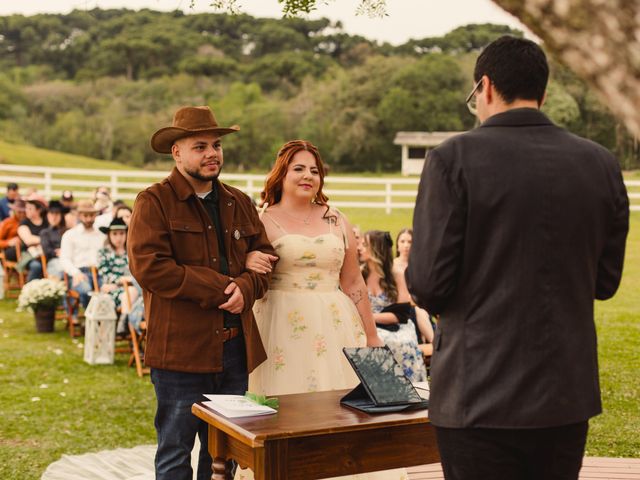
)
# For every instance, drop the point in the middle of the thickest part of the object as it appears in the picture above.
(79, 250)
(188, 240)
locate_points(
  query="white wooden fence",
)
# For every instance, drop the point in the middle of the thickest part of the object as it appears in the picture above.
(359, 192)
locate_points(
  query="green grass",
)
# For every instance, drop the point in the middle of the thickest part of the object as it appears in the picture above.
(89, 408)
(20, 154)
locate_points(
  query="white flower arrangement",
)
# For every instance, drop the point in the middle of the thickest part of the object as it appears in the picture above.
(43, 293)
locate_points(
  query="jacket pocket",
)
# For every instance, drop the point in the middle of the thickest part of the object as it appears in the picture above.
(188, 241)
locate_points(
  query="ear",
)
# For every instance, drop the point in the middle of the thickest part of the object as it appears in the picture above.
(175, 151)
(544, 99)
(487, 89)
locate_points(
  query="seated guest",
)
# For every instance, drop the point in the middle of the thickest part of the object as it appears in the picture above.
(104, 206)
(79, 248)
(420, 316)
(51, 236)
(5, 202)
(390, 303)
(124, 212)
(9, 239)
(29, 232)
(70, 214)
(113, 268)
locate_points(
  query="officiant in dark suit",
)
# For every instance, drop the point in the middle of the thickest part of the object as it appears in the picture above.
(518, 226)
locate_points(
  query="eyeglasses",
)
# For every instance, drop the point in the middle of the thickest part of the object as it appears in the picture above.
(471, 99)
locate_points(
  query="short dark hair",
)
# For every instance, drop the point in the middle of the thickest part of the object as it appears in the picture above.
(517, 68)
(12, 186)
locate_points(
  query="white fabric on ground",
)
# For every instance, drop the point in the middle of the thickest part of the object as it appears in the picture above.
(120, 464)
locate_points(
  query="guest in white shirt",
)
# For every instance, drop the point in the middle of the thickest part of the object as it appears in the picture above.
(79, 250)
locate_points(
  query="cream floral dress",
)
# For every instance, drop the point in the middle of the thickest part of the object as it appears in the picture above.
(304, 321)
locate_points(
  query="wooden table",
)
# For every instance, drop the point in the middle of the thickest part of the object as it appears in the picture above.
(312, 436)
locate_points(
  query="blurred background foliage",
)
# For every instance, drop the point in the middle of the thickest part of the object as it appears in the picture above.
(99, 82)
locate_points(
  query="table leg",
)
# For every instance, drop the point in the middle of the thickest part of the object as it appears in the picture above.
(221, 470)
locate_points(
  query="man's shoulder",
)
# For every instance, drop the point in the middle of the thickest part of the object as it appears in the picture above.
(237, 193)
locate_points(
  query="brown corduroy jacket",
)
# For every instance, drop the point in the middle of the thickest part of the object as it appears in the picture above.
(173, 254)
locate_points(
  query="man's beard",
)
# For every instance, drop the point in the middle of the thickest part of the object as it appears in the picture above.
(203, 178)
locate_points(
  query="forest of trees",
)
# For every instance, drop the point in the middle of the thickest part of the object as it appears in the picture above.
(99, 82)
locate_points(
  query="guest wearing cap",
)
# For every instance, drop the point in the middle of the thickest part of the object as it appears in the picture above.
(5, 202)
(70, 215)
(79, 248)
(9, 239)
(29, 232)
(51, 236)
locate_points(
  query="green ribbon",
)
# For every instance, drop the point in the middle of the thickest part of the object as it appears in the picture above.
(263, 400)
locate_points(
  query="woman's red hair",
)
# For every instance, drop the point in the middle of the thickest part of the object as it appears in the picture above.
(272, 192)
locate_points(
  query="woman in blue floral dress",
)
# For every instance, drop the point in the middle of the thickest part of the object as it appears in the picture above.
(386, 288)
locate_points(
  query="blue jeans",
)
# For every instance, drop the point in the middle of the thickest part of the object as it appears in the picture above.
(35, 270)
(177, 427)
(84, 287)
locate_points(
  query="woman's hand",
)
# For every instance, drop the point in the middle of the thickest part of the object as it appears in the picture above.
(374, 341)
(108, 287)
(260, 262)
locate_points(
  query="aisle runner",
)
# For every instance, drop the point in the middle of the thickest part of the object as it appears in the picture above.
(119, 464)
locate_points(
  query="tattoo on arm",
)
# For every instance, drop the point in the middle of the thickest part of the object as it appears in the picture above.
(356, 296)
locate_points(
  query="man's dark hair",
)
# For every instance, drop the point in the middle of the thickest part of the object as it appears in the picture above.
(12, 186)
(517, 68)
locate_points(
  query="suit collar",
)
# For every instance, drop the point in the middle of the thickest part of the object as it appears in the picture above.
(517, 117)
(184, 189)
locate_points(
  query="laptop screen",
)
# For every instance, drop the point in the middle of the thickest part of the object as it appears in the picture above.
(381, 375)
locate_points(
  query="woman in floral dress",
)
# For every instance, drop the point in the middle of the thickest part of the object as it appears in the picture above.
(317, 302)
(386, 287)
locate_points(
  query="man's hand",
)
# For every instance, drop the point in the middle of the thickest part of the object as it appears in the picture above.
(235, 304)
(260, 262)
(78, 278)
(15, 241)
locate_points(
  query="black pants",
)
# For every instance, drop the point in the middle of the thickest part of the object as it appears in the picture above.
(512, 454)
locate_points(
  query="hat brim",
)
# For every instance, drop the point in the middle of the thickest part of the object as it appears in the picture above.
(163, 139)
(117, 228)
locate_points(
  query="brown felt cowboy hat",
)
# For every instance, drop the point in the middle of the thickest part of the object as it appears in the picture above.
(188, 121)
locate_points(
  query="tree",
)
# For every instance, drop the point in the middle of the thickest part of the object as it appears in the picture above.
(597, 39)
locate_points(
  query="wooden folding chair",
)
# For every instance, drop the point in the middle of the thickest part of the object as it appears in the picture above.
(13, 279)
(138, 340)
(73, 302)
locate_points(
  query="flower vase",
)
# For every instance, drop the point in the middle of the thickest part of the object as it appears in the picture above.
(45, 318)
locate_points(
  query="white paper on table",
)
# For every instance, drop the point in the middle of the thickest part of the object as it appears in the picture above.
(234, 406)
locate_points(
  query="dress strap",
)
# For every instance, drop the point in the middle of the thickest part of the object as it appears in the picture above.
(273, 220)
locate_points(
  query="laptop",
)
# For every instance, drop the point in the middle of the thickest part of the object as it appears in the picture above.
(383, 387)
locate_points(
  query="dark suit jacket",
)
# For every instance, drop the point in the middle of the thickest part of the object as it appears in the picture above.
(518, 226)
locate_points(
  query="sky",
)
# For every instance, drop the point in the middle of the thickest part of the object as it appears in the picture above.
(406, 18)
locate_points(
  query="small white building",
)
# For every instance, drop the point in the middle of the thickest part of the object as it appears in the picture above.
(415, 146)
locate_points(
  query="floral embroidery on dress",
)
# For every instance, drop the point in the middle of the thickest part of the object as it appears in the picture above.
(278, 358)
(307, 256)
(335, 315)
(312, 381)
(320, 345)
(357, 325)
(296, 320)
